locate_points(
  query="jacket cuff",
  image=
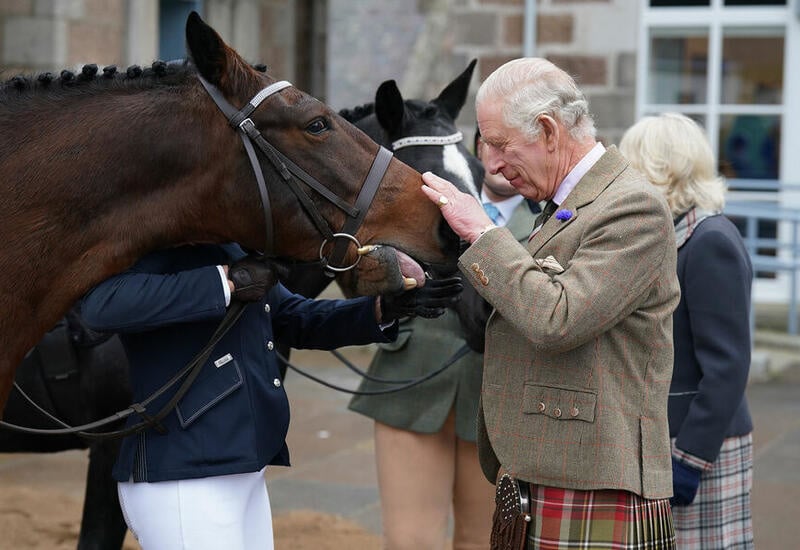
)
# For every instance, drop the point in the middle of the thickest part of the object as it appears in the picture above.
(691, 460)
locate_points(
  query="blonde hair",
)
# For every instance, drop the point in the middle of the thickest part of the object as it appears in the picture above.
(532, 86)
(673, 152)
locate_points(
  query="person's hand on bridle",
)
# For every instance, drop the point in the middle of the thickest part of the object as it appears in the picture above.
(427, 301)
(463, 212)
(252, 277)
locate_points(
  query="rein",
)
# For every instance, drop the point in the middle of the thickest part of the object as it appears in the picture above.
(190, 372)
(249, 134)
(240, 121)
(400, 384)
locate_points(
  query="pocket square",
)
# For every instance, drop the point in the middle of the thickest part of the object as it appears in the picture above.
(549, 264)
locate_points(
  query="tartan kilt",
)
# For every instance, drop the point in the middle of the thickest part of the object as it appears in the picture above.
(606, 519)
(720, 515)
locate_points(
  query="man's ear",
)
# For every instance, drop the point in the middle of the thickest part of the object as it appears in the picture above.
(550, 130)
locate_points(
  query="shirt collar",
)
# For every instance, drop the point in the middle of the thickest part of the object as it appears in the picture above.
(506, 206)
(575, 175)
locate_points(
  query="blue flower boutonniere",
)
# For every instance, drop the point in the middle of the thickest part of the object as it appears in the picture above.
(563, 215)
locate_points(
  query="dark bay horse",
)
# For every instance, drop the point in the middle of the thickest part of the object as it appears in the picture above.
(97, 170)
(81, 376)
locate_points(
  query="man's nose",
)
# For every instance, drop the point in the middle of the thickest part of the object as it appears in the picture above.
(491, 160)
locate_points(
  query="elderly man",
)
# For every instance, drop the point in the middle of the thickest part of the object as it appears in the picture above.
(579, 351)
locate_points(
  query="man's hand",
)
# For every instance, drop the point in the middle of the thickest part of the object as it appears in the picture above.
(685, 481)
(252, 277)
(463, 213)
(428, 301)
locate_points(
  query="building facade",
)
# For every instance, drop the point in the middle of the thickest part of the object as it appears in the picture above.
(733, 65)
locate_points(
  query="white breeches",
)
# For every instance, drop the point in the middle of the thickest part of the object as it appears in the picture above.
(230, 512)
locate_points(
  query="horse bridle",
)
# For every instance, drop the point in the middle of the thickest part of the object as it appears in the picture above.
(239, 120)
(416, 141)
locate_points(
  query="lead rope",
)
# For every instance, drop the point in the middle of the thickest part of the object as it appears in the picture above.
(405, 384)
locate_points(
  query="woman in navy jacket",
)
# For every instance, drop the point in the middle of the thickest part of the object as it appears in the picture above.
(709, 420)
(200, 484)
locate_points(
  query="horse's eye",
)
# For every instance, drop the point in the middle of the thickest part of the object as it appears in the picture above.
(317, 126)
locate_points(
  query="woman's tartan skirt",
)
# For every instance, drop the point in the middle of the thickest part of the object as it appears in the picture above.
(598, 520)
(720, 516)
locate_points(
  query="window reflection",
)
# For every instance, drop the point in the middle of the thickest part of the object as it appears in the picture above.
(678, 66)
(752, 67)
(749, 146)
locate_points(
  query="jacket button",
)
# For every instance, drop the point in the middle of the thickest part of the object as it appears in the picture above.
(574, 411)
(270, 345)
(541, 406)
(266, 308)
(557, 412)
(475, 267)
(484, 280)
(276, 382)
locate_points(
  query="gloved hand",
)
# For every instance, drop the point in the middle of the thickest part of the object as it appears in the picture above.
(428, 301)
(252, 278)
(685, 481)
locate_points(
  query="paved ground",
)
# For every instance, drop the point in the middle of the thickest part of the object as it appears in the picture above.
(333, 469)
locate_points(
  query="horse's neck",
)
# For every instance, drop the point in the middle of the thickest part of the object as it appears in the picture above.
(113, 178)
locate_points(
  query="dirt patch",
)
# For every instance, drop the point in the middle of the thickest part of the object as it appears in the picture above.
(50, 520)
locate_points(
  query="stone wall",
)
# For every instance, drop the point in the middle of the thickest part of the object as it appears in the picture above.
(341, 50)
(37, 35)
(423, 44)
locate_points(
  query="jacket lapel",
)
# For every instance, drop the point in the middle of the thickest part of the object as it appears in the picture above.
(599, 176)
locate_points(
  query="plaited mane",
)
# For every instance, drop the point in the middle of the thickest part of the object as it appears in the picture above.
(92, 80)
(357, 113)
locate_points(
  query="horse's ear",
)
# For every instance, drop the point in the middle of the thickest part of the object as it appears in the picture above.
(453, 97)
(389, 107)
(207, 50)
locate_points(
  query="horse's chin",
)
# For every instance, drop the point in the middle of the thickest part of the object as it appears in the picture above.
(385, 270)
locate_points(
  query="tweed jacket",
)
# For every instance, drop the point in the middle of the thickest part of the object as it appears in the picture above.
(579, 347)
(422, 346)
(711, 327)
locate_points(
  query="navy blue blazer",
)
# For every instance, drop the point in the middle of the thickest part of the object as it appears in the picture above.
(235, 416)
(711, 327)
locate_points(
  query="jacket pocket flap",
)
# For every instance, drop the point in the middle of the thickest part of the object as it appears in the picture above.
(219, 379)
(559, 402)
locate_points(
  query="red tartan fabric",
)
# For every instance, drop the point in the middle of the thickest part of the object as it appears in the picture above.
(593, 520)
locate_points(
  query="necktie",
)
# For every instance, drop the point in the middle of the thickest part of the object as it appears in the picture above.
(549, 208)
(493, 211)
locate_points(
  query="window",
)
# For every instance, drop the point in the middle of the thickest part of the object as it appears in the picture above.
(724, 63)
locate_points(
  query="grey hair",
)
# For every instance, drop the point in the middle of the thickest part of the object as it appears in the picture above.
(532, 86)
(673, 152)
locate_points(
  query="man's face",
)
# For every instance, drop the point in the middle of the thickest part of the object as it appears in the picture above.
(528, 166)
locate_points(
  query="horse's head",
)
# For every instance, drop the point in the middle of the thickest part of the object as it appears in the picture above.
(424, 135)
(337, 156)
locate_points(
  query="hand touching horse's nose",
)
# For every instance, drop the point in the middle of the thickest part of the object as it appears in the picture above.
(463, 213)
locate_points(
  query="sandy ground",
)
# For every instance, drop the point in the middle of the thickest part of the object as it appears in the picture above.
(33, 518)
(41, 496)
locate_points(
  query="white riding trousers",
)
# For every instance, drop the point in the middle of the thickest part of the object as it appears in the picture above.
(230, 512)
